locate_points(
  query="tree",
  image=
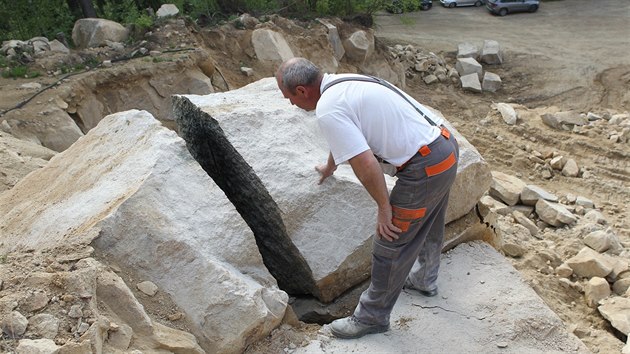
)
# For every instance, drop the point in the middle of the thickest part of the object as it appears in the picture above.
(81, 8)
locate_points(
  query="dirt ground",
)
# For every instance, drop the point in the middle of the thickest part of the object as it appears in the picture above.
(570, 55)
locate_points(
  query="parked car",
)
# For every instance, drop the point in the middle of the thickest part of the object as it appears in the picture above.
(504, 7)
(426, 4)
(453, 3)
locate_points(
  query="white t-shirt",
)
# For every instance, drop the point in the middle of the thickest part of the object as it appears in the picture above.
(355, 116)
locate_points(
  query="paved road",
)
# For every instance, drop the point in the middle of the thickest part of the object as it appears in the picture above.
(574, 30)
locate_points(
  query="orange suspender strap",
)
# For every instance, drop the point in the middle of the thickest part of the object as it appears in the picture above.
(445, 132)
(441, 166)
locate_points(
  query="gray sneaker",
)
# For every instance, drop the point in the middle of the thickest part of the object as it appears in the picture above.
(350, 327)
(427, 293)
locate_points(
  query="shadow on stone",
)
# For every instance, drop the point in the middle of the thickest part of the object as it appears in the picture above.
(210, 147)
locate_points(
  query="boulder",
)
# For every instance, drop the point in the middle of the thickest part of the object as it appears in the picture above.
(491, 82)
(506, 188)
(270, 45)
(94, 32)
(465, 66)
(37, 346)
(359, 46)
(131, 189)
(18, 158)
(471, 82)
(467, 50)
(315, 217)
(507, 113)
(491, 53)
(532, 193)
(596, 289)
(617, 311)
(554, 214)
(563, 119)
(52, 128)
(588, 263)
(334, 39)
(167, 10)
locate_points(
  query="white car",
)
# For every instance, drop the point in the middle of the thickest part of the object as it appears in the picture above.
(453, 3)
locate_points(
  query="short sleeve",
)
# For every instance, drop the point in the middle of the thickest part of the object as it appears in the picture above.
(344, 137)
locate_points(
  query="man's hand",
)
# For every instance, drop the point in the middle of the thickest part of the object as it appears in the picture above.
(384, 227)
(326, 170)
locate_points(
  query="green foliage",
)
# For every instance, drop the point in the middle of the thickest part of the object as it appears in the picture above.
(400, 6)
(25, 19)
(19, 71)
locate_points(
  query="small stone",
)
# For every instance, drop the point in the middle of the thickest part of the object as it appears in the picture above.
(14, 325)
(502, 344)
(147, 288)
(75, 311)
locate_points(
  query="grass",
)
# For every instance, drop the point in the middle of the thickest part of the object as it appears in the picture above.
(20, 71)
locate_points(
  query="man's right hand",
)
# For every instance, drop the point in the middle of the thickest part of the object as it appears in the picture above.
(325, 171)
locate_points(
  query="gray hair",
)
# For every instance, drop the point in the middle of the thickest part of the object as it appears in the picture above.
(298, 72)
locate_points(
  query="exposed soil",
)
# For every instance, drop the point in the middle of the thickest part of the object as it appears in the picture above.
(570, 55)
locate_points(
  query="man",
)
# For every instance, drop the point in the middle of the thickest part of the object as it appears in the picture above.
(366, 120)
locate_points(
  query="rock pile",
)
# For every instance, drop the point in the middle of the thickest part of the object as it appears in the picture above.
(75, 304)
(585, 255)
(25, 51)
(429, 66)
(467, 71)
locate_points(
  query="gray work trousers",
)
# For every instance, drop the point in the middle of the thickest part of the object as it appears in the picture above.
(422, 196)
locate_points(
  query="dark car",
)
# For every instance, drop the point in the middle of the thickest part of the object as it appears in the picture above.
(397, 6)
(504, 7)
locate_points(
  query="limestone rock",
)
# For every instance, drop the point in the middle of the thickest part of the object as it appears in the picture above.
(467, 50)
(506, 188)
(513, 249)
(148, 288)
(564, 271)
(120, 337)
(491, 82)
(14, 324)
(560, 119)
(465, 66)
(621, 286)
(359, 46)
(507, 113)
(470, 82)
(532, 193)
(37, 346)
(525, 221)
(491, 52)
(617, 311)
(132, 194)
(333, 37)
(44, 325)
(93, 32)
(554, 214)
(270, 45)
(487, 202)
(600, 240)
(167, 10)
(596, 289)
(250, 132)
(176, 341)
(570, 168)
(588, 263)
(56, 130)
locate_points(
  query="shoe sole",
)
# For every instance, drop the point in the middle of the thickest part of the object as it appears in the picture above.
(430, 293)
(372, 330)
